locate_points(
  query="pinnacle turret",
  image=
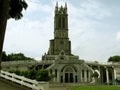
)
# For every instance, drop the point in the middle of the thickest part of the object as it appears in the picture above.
(60, 9)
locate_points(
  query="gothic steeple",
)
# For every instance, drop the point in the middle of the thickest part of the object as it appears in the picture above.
(61, 40)
(65, 7)
(56, 8)
(61, 22)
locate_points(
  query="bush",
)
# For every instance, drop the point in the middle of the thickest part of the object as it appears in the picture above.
(42, 75)
(32, 74)
(39, 75)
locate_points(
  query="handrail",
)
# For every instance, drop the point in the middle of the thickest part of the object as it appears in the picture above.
(33, 84)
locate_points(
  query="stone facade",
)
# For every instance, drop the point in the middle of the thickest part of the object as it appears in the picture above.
(67, 67)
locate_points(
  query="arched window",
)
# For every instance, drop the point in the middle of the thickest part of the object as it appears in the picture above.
(68, 68)
(59, 22)
(63, 22)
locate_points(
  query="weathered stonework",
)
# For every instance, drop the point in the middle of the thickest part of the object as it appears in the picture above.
(67, 67)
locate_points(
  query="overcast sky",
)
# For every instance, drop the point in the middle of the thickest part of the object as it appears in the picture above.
(94, 29)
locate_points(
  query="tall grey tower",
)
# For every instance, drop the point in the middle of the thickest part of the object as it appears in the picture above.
(66, 67)
(61, 42)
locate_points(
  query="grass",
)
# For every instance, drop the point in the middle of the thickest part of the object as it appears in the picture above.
(104, 87)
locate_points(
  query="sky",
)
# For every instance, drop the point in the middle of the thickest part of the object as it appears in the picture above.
(94, 29)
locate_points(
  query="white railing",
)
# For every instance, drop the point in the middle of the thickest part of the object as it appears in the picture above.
(33, 84)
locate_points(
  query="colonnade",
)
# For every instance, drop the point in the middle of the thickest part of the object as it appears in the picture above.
(110, 79)
(85, 76)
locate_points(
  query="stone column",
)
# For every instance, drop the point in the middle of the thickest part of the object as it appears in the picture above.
(85, 75)
(58, 77)
(54, 79)
(89, 76)
(81, 77)
(114, 73)
(107, 76)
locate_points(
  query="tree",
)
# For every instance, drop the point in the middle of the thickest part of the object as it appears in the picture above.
(18, 56)
(9, 9)
(39, 75)
(4, 56)
(114, 59)
(15, 57)
(42, 75)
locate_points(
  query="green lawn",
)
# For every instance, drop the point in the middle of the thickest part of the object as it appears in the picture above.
(95, 88)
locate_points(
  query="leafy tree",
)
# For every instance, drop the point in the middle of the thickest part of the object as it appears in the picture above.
(39, 75)
(9, 9)
(95, 74)
(4, 56)
(14, 57)
(32, 74)
(42, 75)
(114, 59)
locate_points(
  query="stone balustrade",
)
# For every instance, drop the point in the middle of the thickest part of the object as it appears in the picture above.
(33, 84)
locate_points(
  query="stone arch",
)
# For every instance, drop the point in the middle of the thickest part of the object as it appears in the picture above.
(69, 74)
(70, 66)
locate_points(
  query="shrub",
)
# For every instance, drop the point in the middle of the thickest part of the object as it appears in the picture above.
(39, 75)
(42, 75)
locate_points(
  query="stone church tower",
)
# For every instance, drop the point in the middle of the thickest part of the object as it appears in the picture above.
(61, 42)
(66, 67)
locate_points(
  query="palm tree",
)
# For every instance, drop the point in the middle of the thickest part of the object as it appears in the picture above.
(9, 9)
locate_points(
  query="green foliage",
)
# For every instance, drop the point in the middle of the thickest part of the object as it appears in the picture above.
(114, 59)
(42, 75)
(16, 7)
(32, 74)
(17, 72)
(4, 56)
(95, 74)
(14, 57)
(39, 75)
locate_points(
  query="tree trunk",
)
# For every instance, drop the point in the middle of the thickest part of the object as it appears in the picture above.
(4, 6)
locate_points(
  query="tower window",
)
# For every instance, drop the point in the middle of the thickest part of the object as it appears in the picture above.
(59, 22)
(61, 42)
(63, 22)
(62, 58)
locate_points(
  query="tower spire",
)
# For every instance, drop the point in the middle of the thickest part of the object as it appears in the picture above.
(56, 7)
(65, 5)
(61, 38)
(57, 4)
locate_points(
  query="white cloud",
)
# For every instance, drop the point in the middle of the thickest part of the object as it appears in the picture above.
(35, 5)
(118, 36)
(27, 35)
(32, 33)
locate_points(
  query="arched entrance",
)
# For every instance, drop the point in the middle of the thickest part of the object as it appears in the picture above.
(69, 74)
